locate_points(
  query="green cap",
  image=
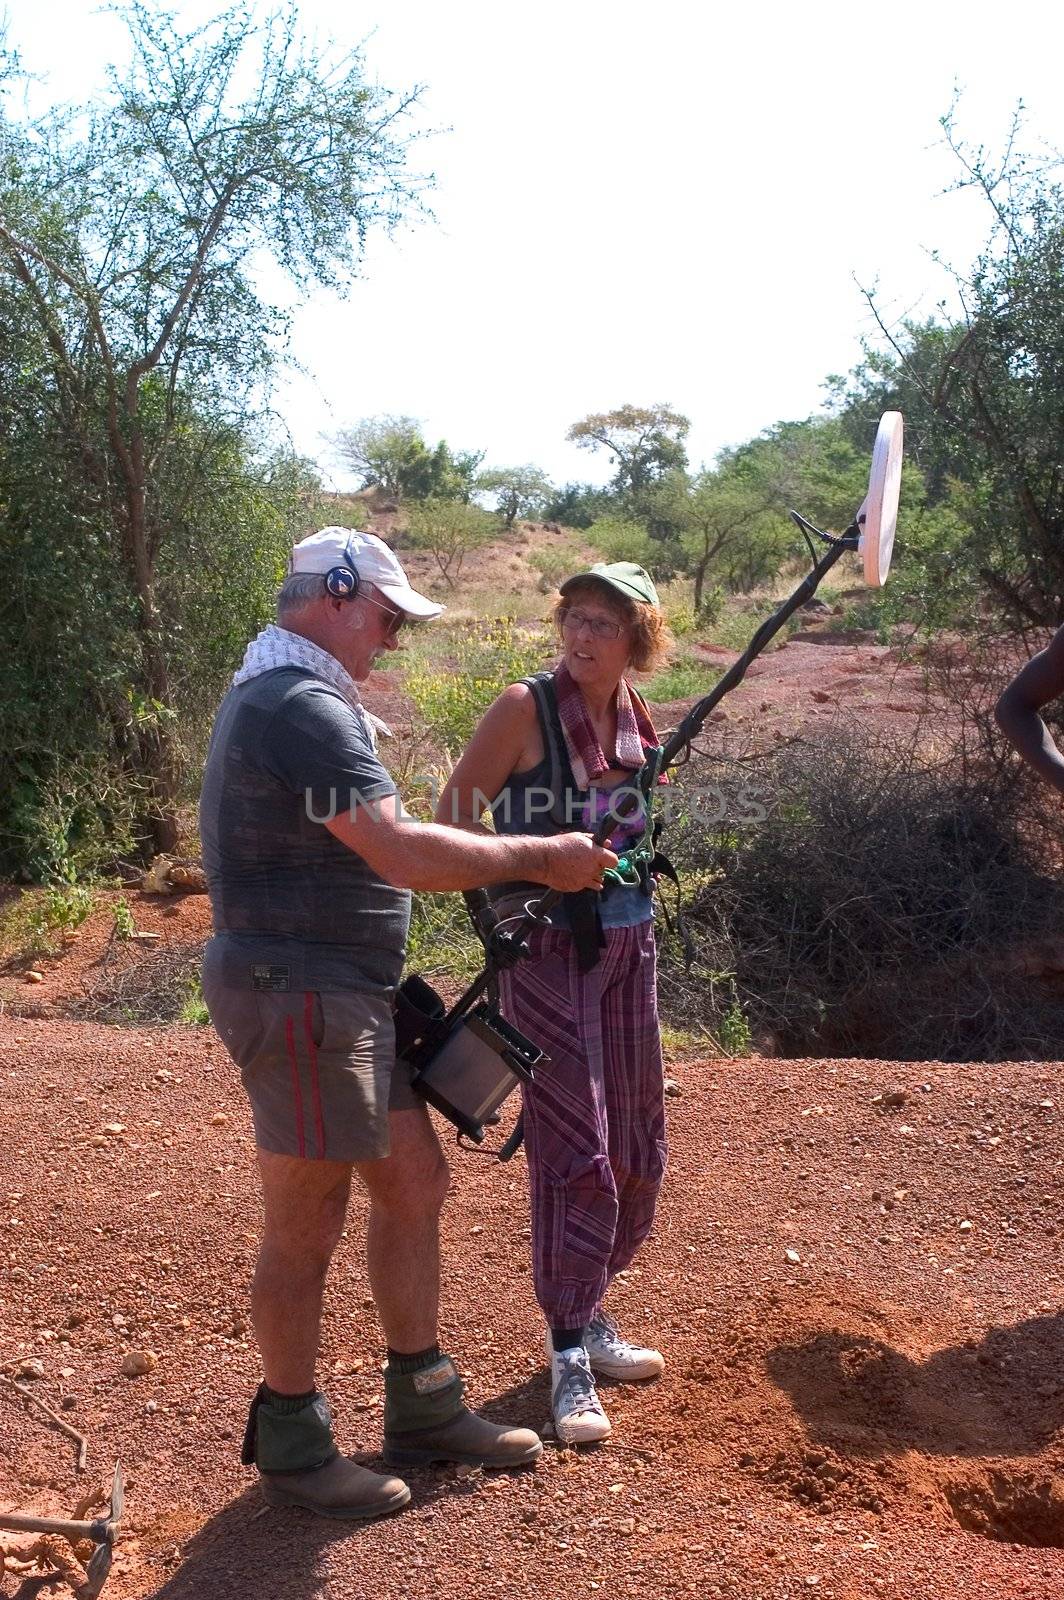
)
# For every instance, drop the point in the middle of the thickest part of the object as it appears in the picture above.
(635, 583)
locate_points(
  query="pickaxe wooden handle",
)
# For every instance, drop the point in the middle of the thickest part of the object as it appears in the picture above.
(101, 1530)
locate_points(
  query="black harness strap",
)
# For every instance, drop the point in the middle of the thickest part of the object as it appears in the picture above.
(560, 779)
(582, 907)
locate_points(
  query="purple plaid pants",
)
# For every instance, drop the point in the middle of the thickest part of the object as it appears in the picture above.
(595, 1116)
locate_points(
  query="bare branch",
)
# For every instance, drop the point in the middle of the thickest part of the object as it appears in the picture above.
(210, 233)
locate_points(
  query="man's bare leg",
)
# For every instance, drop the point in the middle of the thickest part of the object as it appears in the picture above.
(407, 1190)
(305, 1207)
(305, 1203)
(424, 1417)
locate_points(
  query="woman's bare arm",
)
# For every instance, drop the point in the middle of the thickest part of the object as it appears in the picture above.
(497, 747)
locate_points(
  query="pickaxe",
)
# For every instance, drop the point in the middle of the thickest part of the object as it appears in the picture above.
(101, 1530)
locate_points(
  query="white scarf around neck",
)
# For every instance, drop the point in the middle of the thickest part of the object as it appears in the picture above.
(276, 647)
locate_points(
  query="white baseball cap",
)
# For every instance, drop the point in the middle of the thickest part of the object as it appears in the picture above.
(373, 560)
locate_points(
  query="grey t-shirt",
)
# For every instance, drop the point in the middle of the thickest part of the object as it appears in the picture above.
(295, 909)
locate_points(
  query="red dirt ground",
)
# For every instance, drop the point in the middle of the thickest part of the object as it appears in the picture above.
(880, 1417)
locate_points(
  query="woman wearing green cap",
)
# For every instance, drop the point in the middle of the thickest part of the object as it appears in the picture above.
(547, 756)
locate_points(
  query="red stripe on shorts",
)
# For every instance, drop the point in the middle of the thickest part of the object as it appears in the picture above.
(315, 1088)
(290, 1041)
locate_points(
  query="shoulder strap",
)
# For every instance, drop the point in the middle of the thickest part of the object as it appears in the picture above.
(560, 778)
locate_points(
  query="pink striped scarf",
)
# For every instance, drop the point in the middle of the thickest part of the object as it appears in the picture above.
(635, 730)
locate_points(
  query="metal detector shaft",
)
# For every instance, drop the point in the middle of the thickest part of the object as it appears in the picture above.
(692, 723)
(688, 730)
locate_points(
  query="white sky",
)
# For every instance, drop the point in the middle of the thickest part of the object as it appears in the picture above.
(639, 203)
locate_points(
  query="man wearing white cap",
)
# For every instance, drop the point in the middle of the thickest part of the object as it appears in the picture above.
(310, 860)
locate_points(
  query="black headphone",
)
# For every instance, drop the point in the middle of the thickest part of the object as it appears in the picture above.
(342, 582)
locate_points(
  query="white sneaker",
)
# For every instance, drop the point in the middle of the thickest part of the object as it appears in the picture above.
(614, 1357)
(576, 1407)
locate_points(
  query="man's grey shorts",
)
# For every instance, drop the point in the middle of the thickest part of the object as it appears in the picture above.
(319, 1068)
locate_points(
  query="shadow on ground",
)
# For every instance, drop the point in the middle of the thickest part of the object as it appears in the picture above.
(246, 1537)
(1000, 1396)
(293, 1546)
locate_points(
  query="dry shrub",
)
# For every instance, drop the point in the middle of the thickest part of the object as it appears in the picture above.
(888, 906)
(145, 984)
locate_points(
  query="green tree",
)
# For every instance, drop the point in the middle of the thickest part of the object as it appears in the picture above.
(72, 712)
(732, 517)
(127, 239)
(391, 453)
(384, 451)
(518, 491)
(643, 443)
(727, 517)
(983, 392)
(454, 473)
(577, 505)
(623, 539)
(449, 530)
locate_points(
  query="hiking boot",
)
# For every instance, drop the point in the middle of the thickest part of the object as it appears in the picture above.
(289, 1438)
(341, 1488)
(575, 1405)
(466, 1438)
(425, 1421)
(613, 1356)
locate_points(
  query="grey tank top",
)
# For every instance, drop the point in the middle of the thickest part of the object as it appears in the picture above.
(523, 805)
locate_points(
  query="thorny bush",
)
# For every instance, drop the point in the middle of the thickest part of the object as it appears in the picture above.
(889, 905)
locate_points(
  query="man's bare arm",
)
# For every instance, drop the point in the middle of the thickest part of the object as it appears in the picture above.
(425, 855)
(1017, 712)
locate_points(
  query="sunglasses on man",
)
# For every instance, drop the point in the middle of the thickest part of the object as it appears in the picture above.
(395, 618)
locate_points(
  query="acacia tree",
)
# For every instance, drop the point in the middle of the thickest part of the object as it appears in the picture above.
(449, 530)
(517, 491)
(384, 451)
(983, 392)
(129, 238)
(726, 516)
(392, 453)
(732, 517)
(643, 442)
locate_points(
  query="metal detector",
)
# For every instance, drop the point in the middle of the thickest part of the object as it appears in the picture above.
(469, 1059)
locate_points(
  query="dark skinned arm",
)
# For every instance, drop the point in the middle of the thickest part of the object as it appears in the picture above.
(1017, 712)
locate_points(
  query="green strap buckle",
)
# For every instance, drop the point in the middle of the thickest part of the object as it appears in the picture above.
(626, 872)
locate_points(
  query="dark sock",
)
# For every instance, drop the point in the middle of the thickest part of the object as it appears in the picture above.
(416, 1361)
(286, 1405)
(566, 1338)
